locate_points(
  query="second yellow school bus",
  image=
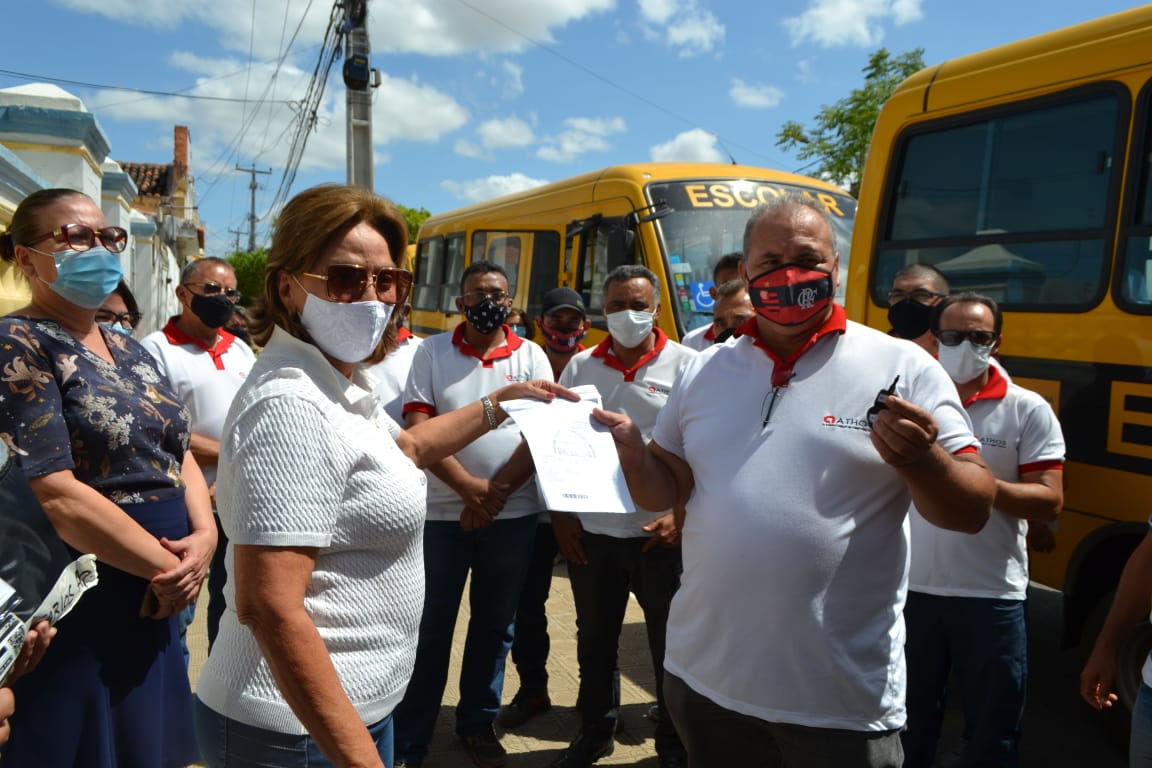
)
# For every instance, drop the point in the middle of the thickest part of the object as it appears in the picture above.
(677, 219)
(1025, 173)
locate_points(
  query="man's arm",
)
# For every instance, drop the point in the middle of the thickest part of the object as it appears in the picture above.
(1129, 608)
(474, 491)
(656, 478)
(954, 492)
(205, 449)
(1037, 496)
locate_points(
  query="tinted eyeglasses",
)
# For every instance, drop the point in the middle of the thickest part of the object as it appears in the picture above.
(215, 289)
(978, 338)
(126, 319)
(79, 237)
(920, 296)
(347, 282)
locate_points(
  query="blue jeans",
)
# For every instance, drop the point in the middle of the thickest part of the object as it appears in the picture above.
(498, 556)
(530, 643)
(1140, 746)
(985, 642)
(600, 592)
(226, 743)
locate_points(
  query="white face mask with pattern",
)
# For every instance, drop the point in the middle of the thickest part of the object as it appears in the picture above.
(348, 332)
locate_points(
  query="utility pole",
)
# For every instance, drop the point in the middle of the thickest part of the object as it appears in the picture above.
(235, 240)
(252, 208)
(359, 78)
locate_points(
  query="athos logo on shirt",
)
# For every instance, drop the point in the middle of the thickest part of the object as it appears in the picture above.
(847, 422)
(659, 389)
(517, 377)
(992, 442)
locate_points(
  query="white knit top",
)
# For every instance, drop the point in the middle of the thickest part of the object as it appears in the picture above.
(309, 459)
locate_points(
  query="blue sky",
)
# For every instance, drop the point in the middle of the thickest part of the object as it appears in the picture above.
(480, 97)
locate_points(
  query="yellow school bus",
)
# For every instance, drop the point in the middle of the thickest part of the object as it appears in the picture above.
(677, 219)
(1025, 172)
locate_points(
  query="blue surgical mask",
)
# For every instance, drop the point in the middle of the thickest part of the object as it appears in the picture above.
(117, 328)
(85, 278)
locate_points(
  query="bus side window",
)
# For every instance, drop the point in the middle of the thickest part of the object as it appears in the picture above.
(545, 270)
(429, 271)
(605, 247)
(453, 269)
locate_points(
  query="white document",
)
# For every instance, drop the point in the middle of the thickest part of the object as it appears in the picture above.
(577, 468)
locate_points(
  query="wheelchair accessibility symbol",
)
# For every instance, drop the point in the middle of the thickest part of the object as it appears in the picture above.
(701, 298)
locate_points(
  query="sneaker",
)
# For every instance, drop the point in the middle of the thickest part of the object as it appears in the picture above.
(524, 707)
(587, 748)
(485, 749)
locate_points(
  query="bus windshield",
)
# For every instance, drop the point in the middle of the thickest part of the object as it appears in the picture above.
(707, 222)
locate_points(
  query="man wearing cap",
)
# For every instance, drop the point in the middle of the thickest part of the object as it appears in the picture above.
(205, 364)
(610, 555)
(562, 323)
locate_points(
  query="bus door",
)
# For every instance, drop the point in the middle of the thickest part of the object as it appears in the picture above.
(593, 248)
(530, 257)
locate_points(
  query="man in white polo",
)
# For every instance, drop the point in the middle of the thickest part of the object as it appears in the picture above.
(797, 447)
(205, 365)
(965, 609)
(610, 555)
(482, 519)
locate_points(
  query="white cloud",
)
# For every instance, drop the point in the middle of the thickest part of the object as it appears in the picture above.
(831, 23)
(404, 110)
(754, 96)
(581, 135)
(489, 187)
(506, 132)
(683, 24)
(696, 145)
(466, 148)
(514, 84)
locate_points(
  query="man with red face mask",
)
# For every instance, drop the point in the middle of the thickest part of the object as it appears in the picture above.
(785, 640)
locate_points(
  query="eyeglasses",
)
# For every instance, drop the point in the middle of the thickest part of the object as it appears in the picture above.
(79, 237)
(346, 282)
(126, 319)
(215, 289)
(978, 338)
(475, 297)
(920, 296)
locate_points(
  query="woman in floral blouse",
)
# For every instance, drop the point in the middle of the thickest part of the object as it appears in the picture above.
(104, 444)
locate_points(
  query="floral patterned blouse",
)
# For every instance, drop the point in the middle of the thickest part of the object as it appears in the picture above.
(119, 428)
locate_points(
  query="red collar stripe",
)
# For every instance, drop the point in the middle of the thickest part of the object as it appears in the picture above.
(994, 389)
(837, 322)
(604, 347)
(176, 336)
(511, 343)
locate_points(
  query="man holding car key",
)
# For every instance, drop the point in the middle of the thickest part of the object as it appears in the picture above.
(785, 640)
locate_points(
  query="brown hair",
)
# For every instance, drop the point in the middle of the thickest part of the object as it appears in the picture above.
(306, 227)
(26, 223)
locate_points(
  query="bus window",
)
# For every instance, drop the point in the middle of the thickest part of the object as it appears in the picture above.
(500, 249)
(1015, 206)
(1134, 289)
(453, 271)
(439, 264)
(544, 270)
(604, 246)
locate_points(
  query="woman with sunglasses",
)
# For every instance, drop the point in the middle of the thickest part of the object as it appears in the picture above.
(322, 500)
(104, 445)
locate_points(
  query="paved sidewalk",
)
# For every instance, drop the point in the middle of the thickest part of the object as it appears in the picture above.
(540, 741)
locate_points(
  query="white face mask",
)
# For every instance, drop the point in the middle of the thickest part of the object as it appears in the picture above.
(630, 327)
(965, 361)
(347, 332)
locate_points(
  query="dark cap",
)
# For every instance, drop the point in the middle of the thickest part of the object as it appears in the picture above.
(561, 298)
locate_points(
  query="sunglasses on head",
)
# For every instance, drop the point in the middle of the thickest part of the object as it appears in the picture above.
(978, 338)
(214, 289)
(347, 282)
(80, 237)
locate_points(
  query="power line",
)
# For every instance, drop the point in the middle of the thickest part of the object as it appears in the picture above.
(103, 87)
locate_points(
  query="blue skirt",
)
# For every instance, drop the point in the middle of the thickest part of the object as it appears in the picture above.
(112, 691)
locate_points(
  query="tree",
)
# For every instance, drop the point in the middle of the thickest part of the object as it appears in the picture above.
(249, 269)
(415, 217)
(839, 141)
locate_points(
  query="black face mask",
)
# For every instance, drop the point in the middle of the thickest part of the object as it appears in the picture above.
(909, 318)
(487, 316)
(213, 311)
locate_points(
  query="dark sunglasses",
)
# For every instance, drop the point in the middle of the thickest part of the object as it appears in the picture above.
(215, 289)
(126, 319)
(920, 296)
(347, 282)
(978, 338)
(79, 237)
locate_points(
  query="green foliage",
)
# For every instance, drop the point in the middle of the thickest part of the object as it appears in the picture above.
(838, 143)
(415, 217)
(249, 269)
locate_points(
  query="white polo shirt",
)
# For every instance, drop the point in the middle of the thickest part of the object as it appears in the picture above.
(449, 373)
(639, 392)
(700, 338)
(205, 378)
(1018, 433)
(796, 541)
(391, 374)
